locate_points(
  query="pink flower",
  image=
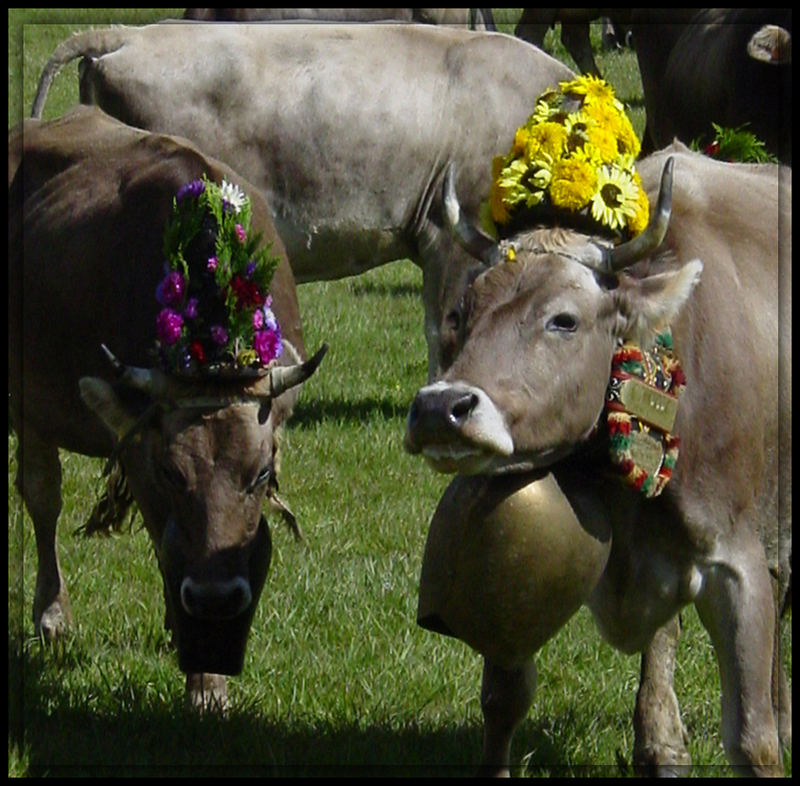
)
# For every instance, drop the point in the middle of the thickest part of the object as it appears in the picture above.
(212, 263)
(170, 291)
(168, 326)
(219, 335)
(268, 345)
(258, 319)
(240, 233)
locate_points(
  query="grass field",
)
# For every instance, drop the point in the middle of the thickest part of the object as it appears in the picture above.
(338, 678)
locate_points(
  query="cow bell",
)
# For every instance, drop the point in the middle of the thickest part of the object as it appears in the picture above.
(506, 564)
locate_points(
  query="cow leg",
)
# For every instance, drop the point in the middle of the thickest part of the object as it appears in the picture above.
(660, 738)
(575, 38)
(737, 608)
(207, 692)
(781, 693)
(506, 697)
(39, 483)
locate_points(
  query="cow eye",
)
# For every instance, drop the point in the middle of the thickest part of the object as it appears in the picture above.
(264, 476)
(454, 320)
(562, 323)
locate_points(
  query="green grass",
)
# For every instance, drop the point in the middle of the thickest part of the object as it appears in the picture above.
(337, 674)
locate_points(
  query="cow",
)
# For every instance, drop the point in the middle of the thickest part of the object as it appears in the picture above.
(475, 18)
(89, 199)
(536, 333)
(534, 23)
(728, 66)
(345, 128)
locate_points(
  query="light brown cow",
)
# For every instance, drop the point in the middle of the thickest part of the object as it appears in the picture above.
(535, 338)
(88, 201)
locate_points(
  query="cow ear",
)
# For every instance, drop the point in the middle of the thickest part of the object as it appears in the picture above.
(649, 305)
(100, 397)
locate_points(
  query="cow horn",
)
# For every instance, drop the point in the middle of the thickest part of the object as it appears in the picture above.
(284, 377)
(149, 380)
(475, 242)
(624, 255)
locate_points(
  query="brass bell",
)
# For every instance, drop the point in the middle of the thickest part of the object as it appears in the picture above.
(506, 564)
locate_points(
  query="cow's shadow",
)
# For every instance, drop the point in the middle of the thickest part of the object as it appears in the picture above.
(56, 736)
(309, 412)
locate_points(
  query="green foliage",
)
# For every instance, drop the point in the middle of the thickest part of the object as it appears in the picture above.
(733, 144)
(338, 678)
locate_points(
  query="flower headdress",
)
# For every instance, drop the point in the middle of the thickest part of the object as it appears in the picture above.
(573, 158)
(216, 308)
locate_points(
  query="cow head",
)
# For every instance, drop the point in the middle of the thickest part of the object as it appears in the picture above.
(199, 459)
(535, 333)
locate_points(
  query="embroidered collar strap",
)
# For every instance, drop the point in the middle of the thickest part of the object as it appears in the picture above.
(641, 404)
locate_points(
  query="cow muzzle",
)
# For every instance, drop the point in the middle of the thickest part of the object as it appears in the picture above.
(456, 427)
(215, 600)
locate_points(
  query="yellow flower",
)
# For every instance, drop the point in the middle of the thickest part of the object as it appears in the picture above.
(546, 139)
(542, 111)
(497, 206)
(638, 221)
(627, 141)
(520, 141)
(592, 88)
(574, 181)
(604, 141)
(616, 198)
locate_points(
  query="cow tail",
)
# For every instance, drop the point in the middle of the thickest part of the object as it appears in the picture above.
(111, 509)
(90, 43)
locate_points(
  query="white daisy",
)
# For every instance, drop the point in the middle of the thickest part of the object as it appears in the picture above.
(233, 195)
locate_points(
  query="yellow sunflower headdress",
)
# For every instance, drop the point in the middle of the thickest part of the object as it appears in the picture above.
(573, 159)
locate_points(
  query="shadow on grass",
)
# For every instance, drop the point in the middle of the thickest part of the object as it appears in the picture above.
(55, 733)
(308, 412)
(369, 288)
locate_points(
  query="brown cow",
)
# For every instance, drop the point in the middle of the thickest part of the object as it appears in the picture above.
(536, 334)
(88, 201)
(728, 66)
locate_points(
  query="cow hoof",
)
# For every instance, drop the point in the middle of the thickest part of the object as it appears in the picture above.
(662, 762)
(207, 693)
(52, 623)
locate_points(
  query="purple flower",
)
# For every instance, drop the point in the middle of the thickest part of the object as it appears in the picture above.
(191, 189)
(251, 267)
(190, 312)
(269, 318)
(219, 335)
(268, 345)
(170, 291)
(240, 233)
(258, 319)
(212, 263)
(168, 326)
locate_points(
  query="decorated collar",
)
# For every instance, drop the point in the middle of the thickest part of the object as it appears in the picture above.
(216, 313)
(641, 404)
(572, 163)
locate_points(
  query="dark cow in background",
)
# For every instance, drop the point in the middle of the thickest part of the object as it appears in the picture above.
(474, 18)
(534, 23)
(727, 66)
(537, 333)
(88, 202)
(347, 129)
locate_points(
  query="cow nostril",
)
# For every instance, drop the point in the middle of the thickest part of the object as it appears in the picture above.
(462, 407)
(215, 600)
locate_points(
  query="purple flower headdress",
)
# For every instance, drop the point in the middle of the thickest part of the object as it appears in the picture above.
(216, 311)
